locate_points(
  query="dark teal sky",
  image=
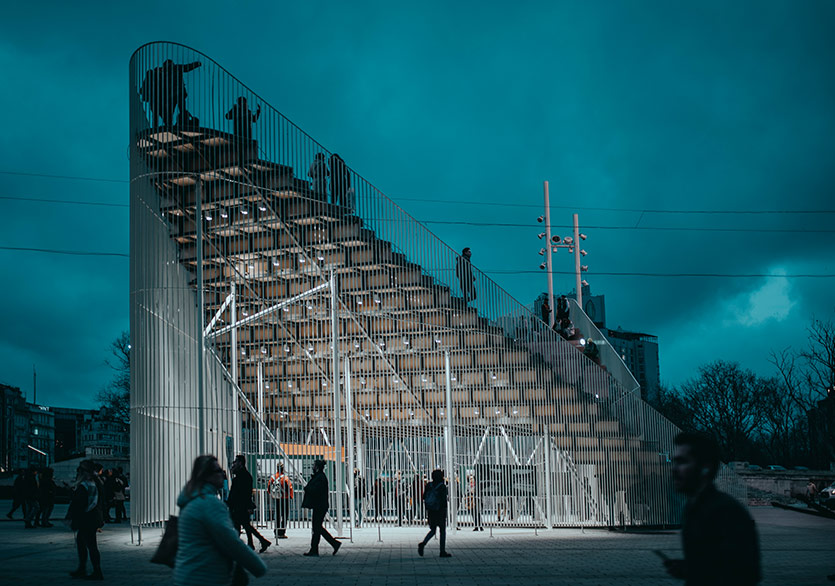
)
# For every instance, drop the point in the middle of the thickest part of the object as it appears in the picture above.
(638, 105)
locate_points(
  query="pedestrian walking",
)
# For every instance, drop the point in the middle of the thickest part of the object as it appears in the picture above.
(718, 535)
(280, 488)
(119, 496)
(378, 492)
(474, 501)
(242, 119)
(340, 181)
(545, 312)
(435, 498)
(359, 495)
(85, 515)
(46, 497)
(316, 498)
(30, 495)
(240, 503)
(18, 495)
(209, 550)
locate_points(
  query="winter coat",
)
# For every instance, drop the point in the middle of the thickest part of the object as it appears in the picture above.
(208, 544)
(316, 493)
(85, 510)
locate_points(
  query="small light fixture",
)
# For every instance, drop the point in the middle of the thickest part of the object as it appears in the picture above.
(275, 262)
(245, 312)
(377, 300)
(498, 411)
(301, 259)
(243, 352)
(516, 411)
(287, 348)
(289, 384)
(244, 211)
(324, 384)
(208, 217)
(437, 340)
(359, 300)
(263, 349)
(267, 385)
(223, 213)
(475, 411)
(262, 207)
(405, 341)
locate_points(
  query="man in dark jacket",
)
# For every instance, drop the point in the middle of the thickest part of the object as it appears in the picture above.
(240, 503)
(31, 488)
(316, 498)
(718, 535)
(18, 495)
(435, 498)
(464, 272)
(85, 515)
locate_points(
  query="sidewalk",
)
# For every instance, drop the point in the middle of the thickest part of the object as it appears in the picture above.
(797, 550)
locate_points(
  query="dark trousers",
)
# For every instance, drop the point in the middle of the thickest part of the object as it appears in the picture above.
(32, 508)
(241, 520)
(320, 531)
(44, 513)
(120, 511)
(18, 503)
(85, 541)
(282, 513)
(436, 523)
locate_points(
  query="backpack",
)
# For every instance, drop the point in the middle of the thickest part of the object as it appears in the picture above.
(277, 488)
(432, 499)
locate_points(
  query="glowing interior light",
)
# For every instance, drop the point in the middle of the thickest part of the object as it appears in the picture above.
(493, 376)
(301, 259)
(267, 385)
(359, 301)
(275, 262)
(376, 300)
(245, 312)
(475, 411)
(289, 384)
(263, 349)
(244, 212)
(324, 383)
(310, 348)
(367, 413)
(286, 308)
(287, 347)
(362, 381)
(516, 411)
(208, 217)
(224, 214)
(405, 341)
(437, 340)
(452, 378)
(243, 352)
(262, 207)
(320, 257)
(498, 411)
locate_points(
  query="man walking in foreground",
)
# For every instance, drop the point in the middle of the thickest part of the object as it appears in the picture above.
(718, 535)
(316, 498)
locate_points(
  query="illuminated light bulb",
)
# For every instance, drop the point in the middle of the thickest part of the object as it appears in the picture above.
(244, 212)
(267, 385)
(289, 384)
(359, 301)
(376, 300)
(287, 347)
(208, 217)
(275, 262)
(262, 207)
(263, 349)
(516, 411)
(301, 259)
(224, 214)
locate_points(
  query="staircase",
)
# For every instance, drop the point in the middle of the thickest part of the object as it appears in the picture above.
(400, 314)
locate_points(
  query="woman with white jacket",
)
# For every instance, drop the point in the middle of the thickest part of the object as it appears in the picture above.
(208, 545)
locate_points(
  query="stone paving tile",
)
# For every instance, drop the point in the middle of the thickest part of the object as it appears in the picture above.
(797, 551)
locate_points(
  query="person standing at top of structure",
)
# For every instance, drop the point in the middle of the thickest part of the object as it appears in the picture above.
(242, 119)
(340, 181)
(718, 535)
(316, 498)
(464, 272)
(165, 91)
(280, 488)
(545, 311)
(241, 504)
(319, 174)
(562, 309)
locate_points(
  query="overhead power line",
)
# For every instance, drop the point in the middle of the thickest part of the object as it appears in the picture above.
(69, 252)
(493, 224)
(492, 271)
(486, 203)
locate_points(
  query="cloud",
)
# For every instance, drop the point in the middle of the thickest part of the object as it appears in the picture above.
(773, 300)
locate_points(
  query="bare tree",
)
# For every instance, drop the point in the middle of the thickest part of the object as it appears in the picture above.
(725, 401)
(808, 377)
(115, 397)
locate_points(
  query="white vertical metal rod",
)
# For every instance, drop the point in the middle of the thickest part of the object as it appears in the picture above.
(260, 405)
(201, 342)
(577, 268)
(448, 440)
(548, 505)
(350, 435)
(236, 418)
(337, 414)
(548, 258)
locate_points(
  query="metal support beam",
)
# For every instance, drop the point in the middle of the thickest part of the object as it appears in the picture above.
(236, 437)
(337, 407)
(349, 434)
(269, 310)
(219, 312)
(510, 445)
(201, 342)
(449, 438)
(548, 505)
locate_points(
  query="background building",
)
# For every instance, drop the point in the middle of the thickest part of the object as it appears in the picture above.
(28, 431)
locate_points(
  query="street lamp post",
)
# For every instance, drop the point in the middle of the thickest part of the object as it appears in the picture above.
(572, 243)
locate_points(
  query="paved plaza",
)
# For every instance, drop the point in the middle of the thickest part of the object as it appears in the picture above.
(797, 550)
